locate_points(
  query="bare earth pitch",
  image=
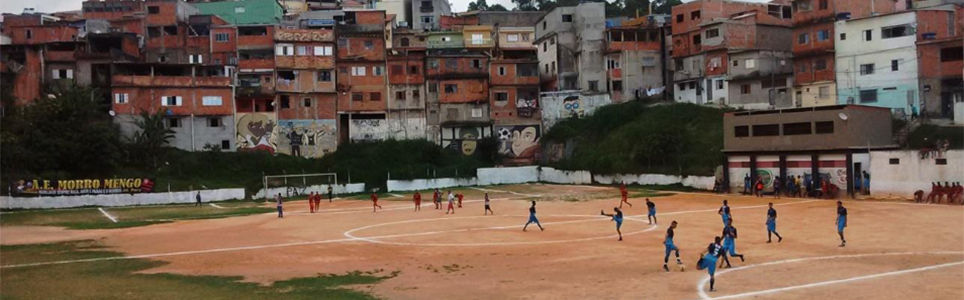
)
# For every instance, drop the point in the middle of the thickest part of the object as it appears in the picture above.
(894, 250)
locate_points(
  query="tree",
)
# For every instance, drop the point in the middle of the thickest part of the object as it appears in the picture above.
(525, 5)
(478, 5)
(497, 7)
(148, 144)
(67, 134)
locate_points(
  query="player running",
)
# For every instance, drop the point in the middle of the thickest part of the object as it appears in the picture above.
(618, 218)
(451, 203)
(772, 224)
(488, 209)
(532, 218)
(724, 212)
(418, 201)
(841, 222)
(729, 243)
(625, 195)
(375, 202)
(651, 215)
(708, 260)
(670, 247)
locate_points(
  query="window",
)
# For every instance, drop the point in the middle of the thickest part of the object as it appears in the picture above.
(225, 144)
(324, 76)
(822, 5)
(476, 112)
(745, 89)
(120, 98)
(433, 87)
(593, 85)
(221, 37)
(284, 50)
(306, 102)
(567, 18)
(357, 97)
(697, 40)
(868, 96)
(527, 70)
(823, 127)
(894, 64)
(612, 63)
(29, 33)
(682, 86)
(543, 25)
(369, 45)
(823, 35)
(376, 96)
(404, 42)
(766, 130)
(952, 54)
(285, 101)
(868, 35)
(239, 10)
(736, 63)
(477, 39)
(451, 64)
(843, 36)
(214, 122)
(301, 50)
(719, 84)
(618, 85)
(797, 128)
(426, 19)
(894, 161)
(211, 101)
(823, 92)
(378, 70)
(750, 63)
(695, 15)
(679, 19)
(512, 38)
(173, 122)
(400, 95)
(803, 38)
(171, 100)
(712, 33)
(451, 88)
(866, 69)
(501, 71)
(940, 161)
(153, 10)
(324, 50)
(477, 63)
(195, 58)
(896, 31)
(62, 73)
(802, 5)
(413, 70)
(396, 69)
(501, 96)
(545, 46)
(415, 94)
(820, 64)
(741, 131)
(358, 71)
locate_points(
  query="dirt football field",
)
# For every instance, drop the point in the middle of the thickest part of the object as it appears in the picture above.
(894, 250)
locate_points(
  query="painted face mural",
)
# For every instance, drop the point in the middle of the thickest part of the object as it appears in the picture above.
(519, 141)
(469, 138)
(572, 107)
(255, 132)
(307, 138)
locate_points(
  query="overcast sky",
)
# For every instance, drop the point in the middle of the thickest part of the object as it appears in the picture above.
(17, 6)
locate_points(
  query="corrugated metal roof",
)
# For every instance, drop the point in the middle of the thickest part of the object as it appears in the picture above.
(244, 11)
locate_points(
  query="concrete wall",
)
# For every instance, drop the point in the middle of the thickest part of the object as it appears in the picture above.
(427, 184)
(490, 176)
(322, 188)
(564, 177)
(516, 175)
(911, 173)
(119, 199)
(191, 135)
(557, 106)
(865, 126)
(699, 182)
(808, 95)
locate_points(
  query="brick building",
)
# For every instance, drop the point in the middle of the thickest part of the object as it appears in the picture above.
(361, 78)
(635, 58)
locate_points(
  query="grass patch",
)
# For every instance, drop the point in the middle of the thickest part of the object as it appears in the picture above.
(118, 279)
(91, 218)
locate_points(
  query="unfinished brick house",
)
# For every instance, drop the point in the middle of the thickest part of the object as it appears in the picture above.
(406, 85)
(361, 80)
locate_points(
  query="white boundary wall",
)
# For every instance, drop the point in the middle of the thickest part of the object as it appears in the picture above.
(507, 175)
(911, 173)
(697, 182)
(515, 175)
(428, 184)
(119, 199)
(321, 188)
(552, 175)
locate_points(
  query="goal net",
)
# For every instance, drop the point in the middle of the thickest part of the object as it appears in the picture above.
(293, 185)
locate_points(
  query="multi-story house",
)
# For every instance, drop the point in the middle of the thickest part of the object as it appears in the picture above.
(361, 78)
(940, 31)
(167, 31)
(40, 56)
(406, 85)
(635, 58)
(711, 38)
(426, 14)
(814, 77)
(571, 45)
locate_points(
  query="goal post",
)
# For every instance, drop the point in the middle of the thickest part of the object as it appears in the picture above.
(298, 184)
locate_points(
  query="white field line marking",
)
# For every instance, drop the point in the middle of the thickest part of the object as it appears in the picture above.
(102, 211)
(389, 208)
(503, 191)
(216, 206)
(397, 195)
(702, 284)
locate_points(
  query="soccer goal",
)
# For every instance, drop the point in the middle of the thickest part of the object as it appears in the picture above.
(290, 185)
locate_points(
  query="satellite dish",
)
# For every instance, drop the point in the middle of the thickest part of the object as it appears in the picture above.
(111, 113)
(842, 116)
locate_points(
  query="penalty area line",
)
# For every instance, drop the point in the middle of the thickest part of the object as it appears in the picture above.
(104, 212)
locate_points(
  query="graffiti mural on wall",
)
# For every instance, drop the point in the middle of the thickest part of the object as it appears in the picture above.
(307, 138)
(519, 142)
(466, 140)
(257, 132)
(368, 129)
(572, 107)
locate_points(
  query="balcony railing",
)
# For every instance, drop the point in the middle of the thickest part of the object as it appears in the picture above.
(484, 42)
(446, 44)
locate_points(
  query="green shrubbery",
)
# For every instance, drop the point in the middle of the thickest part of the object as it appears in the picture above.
(633, 137)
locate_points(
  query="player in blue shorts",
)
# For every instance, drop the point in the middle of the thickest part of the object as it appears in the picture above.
(670, 247)
(651, 215)
(729, 243)
(618, 217)
(708, 260)
(724, 212)
(841, 222)
(532, 218)
(772, 224)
